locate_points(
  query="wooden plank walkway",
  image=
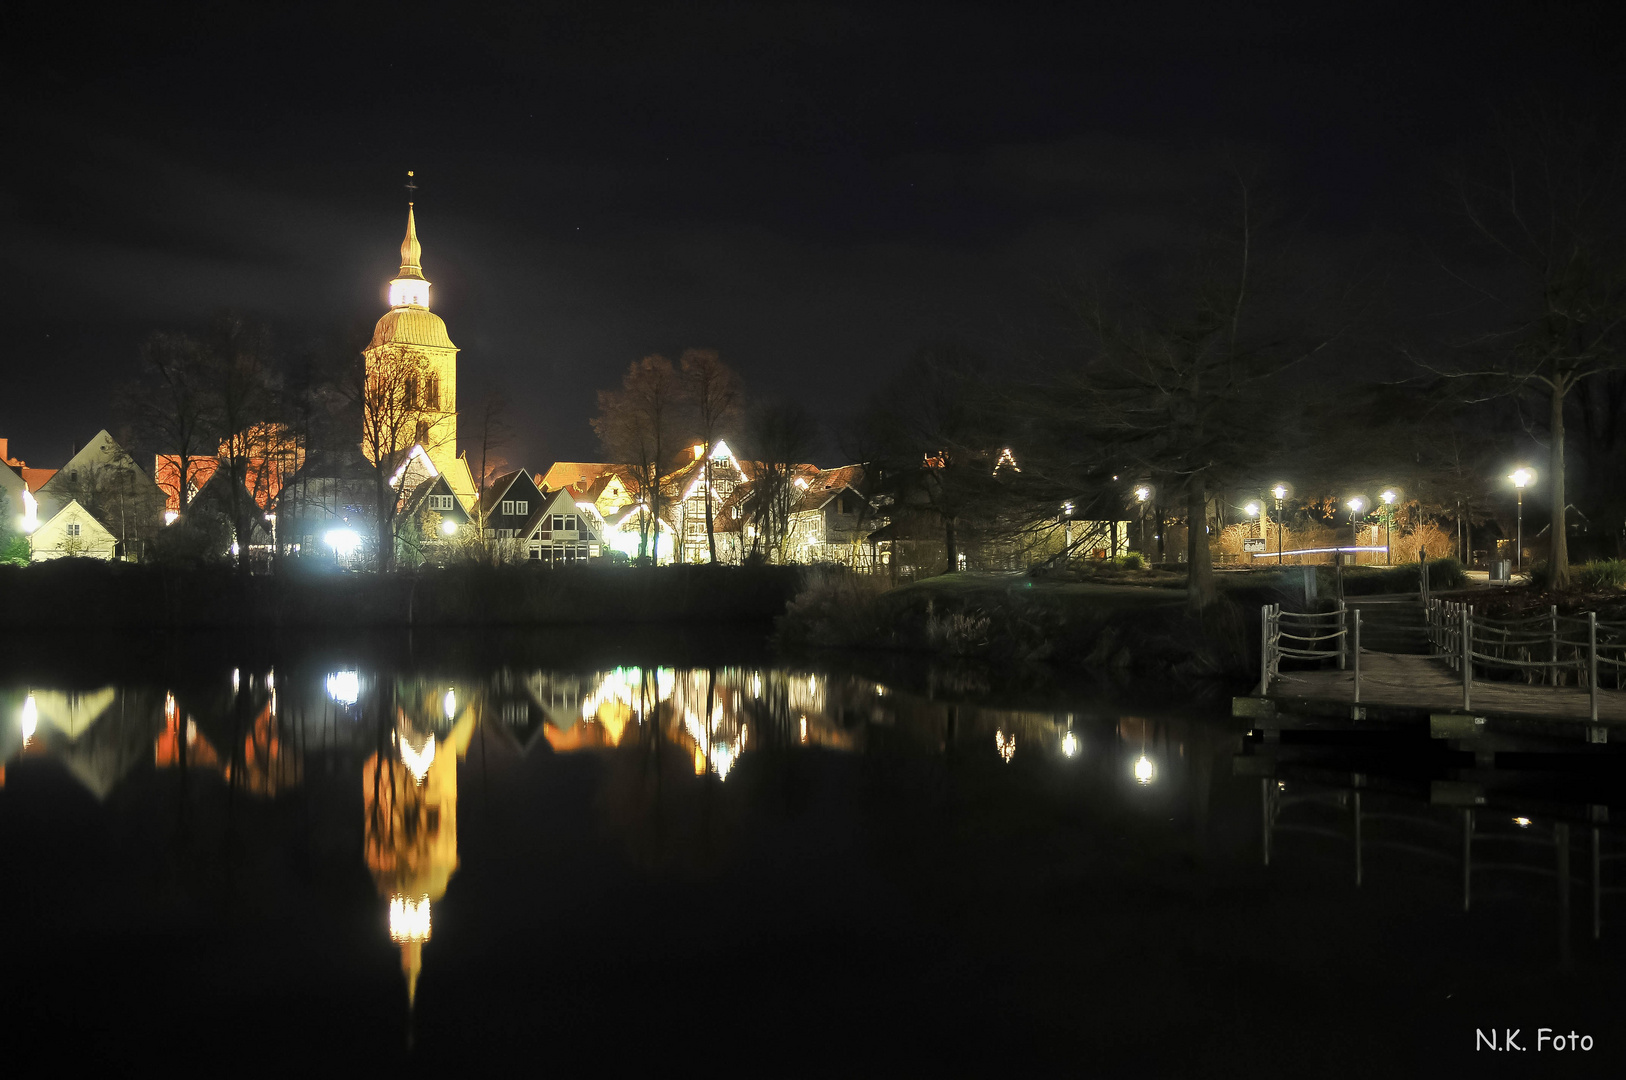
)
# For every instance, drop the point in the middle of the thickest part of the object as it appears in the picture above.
(1425, 682)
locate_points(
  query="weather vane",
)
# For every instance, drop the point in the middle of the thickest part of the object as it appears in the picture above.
(410, 186)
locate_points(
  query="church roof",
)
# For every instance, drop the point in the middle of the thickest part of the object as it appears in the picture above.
(411, 250)
(411, 326)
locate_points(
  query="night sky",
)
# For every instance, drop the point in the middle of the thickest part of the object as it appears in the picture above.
(813, 189)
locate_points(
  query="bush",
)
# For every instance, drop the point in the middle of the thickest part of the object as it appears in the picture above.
(1406, 577)
(1133, 560)
(835, 609)
(1601, 575)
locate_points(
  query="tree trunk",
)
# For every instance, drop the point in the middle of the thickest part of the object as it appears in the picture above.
(1558, 563)
(386, 527)
(1199, 563)
(949, 543)
(711, 534)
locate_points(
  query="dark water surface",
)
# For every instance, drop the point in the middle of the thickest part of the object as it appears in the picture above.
(643, 852)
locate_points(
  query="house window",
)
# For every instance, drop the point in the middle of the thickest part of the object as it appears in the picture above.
(440, 502)
(73, 528)
(508, 508)
(522, 506)
(564, 522)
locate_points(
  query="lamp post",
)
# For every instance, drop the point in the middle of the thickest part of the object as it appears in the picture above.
(1357, 506)
(1521, 478)
(1389, 496)
(1142, 493)
(1280, 491)
(1067, 519)
(1253, 509)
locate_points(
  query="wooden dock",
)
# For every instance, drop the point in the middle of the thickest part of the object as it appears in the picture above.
(1426, 684)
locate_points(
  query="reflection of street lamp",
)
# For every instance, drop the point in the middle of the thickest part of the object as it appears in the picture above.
(1145, 771)
(1521, 478)
(1389, 496)
(1280, 491)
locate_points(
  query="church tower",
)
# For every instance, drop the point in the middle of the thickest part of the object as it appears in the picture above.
(410, 327)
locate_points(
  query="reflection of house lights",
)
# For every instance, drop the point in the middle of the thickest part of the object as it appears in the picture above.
(417, 761)
(804, 729)
(449, 705)
(1522, 822)
(236, 679)
(699, 762)
(31, 718)
(1069, 744)
(722, 759)
(1145, 771)
(409, 919)
(344, 687)
(1006, 748)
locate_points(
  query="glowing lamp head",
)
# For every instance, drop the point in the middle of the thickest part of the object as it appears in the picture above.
(1389, 497)
(1252, 509)
(1280, 491)
(1522, 478)
(447, 528)
(1143, 493)
(1522, 822)
(1356, 505)
(344, 542)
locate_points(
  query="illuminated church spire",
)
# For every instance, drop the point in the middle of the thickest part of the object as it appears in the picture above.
(409, 289)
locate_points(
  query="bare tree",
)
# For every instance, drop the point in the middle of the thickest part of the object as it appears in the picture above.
(491, 433)
(387, 388)
(639, 424)
(241, 393)
(779, 436)
(1175, 390)
(715, 397)
(168, 405)
(1552, 210)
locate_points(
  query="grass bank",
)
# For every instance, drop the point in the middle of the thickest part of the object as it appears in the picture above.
(1104, 627)
(87, 593)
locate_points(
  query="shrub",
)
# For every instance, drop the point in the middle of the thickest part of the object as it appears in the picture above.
(1133, 560)
(1602, 574)
(834, 609)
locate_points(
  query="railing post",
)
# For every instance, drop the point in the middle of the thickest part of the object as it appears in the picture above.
(1343, 634)
(1264, 649)
(1553, 659)
(1467, 657)
(1592, 660)
(1357, 656)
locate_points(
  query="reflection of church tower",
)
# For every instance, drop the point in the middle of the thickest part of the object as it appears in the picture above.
(410, 328)
(411, 831)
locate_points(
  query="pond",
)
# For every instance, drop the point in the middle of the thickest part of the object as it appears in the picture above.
(591, 851)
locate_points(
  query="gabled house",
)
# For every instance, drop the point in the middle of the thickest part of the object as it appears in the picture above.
(212, 508)
(832, 519)
(688, 488)
(511, 508)
(562, 532)
(72, 531)
(430, 518)
(107, 483)
(326, 511)
(625, 528)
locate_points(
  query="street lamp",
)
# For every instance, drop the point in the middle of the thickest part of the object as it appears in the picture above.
(1389, 496)
(1522, 478)
(1280, 491)
(1142, 494)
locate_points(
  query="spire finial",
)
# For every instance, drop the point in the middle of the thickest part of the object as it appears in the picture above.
(411, 188)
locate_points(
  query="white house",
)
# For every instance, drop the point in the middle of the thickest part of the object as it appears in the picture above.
(72, 532)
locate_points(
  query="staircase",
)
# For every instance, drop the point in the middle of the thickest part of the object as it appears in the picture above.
(1392, 624)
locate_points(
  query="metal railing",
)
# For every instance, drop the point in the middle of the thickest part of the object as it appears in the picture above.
(1301, 635)
(1548, 649)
